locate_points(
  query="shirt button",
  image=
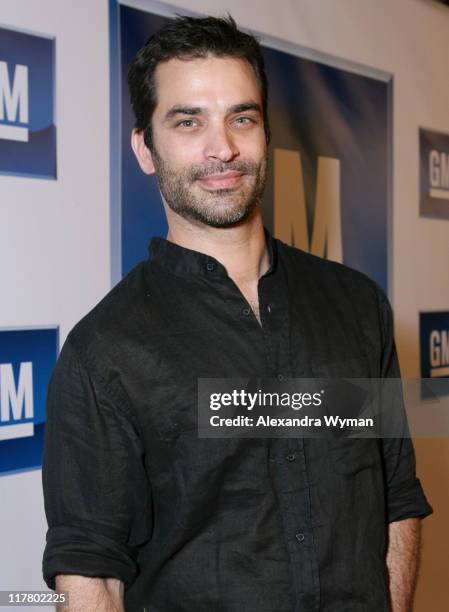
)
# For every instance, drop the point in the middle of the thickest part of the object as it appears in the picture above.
(210, 267)
(280, 377)
(269, 308)
(290, 457)
(246, 311)
(300, 537)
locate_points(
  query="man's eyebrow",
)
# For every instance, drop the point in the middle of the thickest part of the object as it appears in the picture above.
(245, 106)
(182, 110)
(197, 110)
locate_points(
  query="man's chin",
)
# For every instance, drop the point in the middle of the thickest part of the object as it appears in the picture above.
(223, 223)
(226, 219)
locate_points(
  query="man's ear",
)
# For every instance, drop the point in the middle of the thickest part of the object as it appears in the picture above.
(142, 152)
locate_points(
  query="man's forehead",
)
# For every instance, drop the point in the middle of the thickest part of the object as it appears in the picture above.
(189, 64)
(199, 81)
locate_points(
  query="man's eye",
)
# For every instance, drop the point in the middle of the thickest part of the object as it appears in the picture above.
(186, 123)
(244, 120)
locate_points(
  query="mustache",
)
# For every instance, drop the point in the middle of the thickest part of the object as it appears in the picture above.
(200, 171)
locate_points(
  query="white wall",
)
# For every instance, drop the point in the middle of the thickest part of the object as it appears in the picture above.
(54, 235)
(58, 232)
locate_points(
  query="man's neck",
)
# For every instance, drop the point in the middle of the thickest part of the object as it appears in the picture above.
(241, 249)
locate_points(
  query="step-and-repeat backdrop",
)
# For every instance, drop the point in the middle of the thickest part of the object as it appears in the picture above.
(338, 147)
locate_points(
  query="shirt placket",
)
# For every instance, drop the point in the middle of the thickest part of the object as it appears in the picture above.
(288, 460)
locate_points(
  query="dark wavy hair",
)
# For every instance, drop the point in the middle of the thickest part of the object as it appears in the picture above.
(190, 37)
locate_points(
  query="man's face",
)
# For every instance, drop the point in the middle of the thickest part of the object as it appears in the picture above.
(209, 149)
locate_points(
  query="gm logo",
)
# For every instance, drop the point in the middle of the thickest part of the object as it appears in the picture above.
(27, 126)
(290, 211)
(434, 331)
(27, 358)
(16, 401)
(434, 152)
(439, 174)
(14, 102)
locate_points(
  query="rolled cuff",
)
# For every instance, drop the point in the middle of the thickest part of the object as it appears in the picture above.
(409, 502)
(72, 550)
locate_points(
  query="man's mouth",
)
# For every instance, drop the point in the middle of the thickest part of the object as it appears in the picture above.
(222, 180)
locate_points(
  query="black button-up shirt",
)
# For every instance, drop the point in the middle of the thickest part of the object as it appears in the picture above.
(232, 525)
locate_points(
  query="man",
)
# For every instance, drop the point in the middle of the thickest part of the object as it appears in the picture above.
(145, 515)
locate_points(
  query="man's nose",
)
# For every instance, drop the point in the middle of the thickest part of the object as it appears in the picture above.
(220, 144)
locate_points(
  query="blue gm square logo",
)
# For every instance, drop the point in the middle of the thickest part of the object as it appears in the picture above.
(27, 105)
(27, 358)
(434, 332)
(434, 174)
(434, 335)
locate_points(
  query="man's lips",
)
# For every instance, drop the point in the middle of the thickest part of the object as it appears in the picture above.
(223, 179)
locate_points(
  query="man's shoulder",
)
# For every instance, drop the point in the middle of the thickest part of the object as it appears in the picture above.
(328, 275)
(116, 315)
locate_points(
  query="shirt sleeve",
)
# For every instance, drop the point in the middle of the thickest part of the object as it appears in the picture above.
(405, 496)
(96, 492)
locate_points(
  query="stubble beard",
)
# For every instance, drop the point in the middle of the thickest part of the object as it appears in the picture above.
(216, 208)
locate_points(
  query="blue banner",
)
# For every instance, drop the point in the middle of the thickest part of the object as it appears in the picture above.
(27, 358)
(434, 174)
(27, 105)
(434, 334)
(328, 185)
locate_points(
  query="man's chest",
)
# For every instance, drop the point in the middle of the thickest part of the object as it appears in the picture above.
(219, 337)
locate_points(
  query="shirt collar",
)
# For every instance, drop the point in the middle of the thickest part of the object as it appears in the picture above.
(182, 261)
